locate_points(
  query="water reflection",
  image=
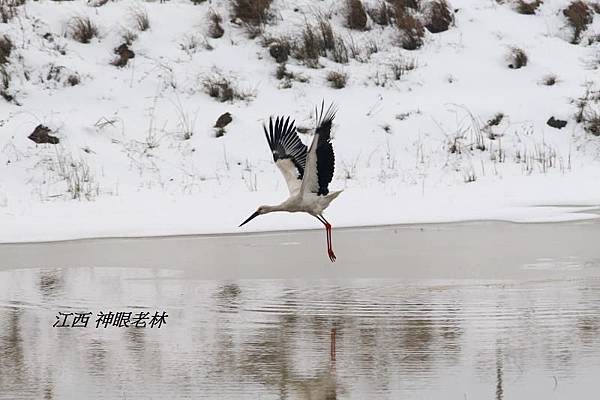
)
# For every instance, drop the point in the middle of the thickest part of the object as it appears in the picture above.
(499, 373)
(281, 339)
(51, 282)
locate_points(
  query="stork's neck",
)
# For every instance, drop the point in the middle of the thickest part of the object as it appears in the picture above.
(278, 207)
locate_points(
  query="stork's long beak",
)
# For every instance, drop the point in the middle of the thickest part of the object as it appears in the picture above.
(256, 214)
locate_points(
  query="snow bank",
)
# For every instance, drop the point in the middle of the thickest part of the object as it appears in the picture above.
(139, 149)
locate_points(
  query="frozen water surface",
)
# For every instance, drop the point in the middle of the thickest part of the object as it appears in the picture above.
(482, 310)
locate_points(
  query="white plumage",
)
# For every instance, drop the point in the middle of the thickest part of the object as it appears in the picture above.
(307, 172)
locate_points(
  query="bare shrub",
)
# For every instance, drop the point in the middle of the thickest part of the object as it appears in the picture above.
(579, 16)
(6, 47)
(251, 12)
(356, 16)
(82, 29)
(591, 121)
(517, 58)
(381, 14)
(141, 19)
(215, 30)
(224, 89)
(337, 79)
(528, 7)
(438, 16)
(411, 30)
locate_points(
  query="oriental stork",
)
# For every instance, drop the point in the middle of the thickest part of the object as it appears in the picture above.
(307, 171)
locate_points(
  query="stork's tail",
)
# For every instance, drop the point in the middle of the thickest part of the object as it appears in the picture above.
(331, 196)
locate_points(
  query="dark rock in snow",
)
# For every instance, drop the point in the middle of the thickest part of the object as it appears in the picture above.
(124, 54)
(279, 51)
(223, 120)
(556, 123)
(41, 134)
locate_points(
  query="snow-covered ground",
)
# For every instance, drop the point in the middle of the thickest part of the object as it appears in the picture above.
(139, 140)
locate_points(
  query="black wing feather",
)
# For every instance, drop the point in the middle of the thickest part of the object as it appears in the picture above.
(325, 156)
(285, 143)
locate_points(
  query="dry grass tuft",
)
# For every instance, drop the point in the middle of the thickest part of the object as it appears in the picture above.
(215, 30)
(6, 47)
(251, 12)
(279, 49)
(438, 16)
(591, 122)
(4, 84)
(517, 58)
(224, 89)
(528, 7)
(141, 19)
(9, 9)
(129, 37)
(320, 41)
(579, 16)
(400, 67)
(82, 29)
(356, 16)
(381, 14)
(310, 48)
(405, 4)
(287, 77)
(337, 79)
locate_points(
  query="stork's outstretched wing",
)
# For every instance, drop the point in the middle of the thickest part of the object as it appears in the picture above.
(320, 161)
(289, 153)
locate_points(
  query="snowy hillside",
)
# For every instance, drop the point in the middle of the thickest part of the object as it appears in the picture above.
(431, 126)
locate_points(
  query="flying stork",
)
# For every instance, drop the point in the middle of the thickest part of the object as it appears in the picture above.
(307, 171)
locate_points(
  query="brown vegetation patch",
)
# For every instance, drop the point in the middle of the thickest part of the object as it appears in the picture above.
(579, 16)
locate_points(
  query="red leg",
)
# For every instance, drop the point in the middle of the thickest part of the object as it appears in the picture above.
(328, 232)
(329, 241)
(330, 247)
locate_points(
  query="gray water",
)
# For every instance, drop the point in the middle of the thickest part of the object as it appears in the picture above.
(456, 311)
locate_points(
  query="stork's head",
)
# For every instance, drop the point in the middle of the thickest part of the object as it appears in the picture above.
(260, 211)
